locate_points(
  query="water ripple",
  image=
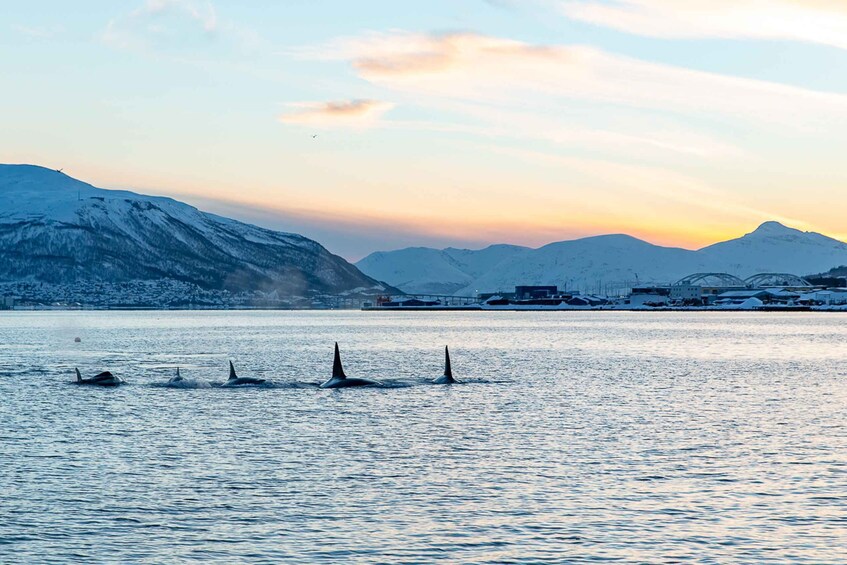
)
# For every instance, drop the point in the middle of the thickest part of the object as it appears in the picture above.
(575, 438)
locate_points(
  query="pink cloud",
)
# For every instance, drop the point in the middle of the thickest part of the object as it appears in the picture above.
(344, 113)
(813, 21)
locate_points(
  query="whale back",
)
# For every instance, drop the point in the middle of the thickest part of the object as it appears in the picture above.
(448, 369)
(337, 368)
(232, 374)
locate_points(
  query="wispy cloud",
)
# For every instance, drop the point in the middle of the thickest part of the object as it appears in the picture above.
(201, 12)
(156, 24)
(493, 70)
(494, 87)
(640, 137)
(135, 29)
(812, 21)
(359, 113)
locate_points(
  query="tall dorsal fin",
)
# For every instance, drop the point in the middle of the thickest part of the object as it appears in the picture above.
(337, 369)
(448, 370)
(78, 376)
(232, 374)
(177, 371)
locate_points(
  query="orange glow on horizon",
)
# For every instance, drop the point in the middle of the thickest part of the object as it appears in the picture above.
(478, 227)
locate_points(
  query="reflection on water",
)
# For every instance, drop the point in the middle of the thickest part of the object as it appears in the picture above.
(576, 437)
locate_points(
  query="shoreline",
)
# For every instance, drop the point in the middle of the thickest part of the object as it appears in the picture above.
(828, 309)
(822, 309)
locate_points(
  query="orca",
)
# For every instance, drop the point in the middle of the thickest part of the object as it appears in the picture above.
(447, 377)
(103, 379)
(235, 380)
(177, 379)
(339, 379)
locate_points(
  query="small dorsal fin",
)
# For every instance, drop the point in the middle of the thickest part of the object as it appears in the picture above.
(232, 374)
(448, 370)
(337, 369)
(78, 376)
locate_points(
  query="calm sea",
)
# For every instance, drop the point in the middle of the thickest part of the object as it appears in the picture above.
(575, 437)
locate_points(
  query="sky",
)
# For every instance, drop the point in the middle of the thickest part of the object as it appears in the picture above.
(381, 124)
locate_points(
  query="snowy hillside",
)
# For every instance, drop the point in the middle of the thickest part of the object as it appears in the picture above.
(609, 263)
(589, 263)
(477, 263)
(776, 248)
(56, 229)
(420, 270)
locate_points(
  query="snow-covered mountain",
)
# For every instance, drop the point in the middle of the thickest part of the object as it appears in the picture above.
(607, 262)
(777, 249)
(590, 263)
(56, 229)
(421, 270)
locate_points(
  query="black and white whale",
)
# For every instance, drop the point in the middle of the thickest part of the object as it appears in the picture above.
(235, 380)
(178, 381)
(339, 379)
(103, 379)
(447, 377)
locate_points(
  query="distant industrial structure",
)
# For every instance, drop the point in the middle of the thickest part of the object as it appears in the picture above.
(725, 290)
(763, 291)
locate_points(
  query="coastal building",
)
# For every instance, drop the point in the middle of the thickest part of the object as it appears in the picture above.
(535, 292)
(650, 296)
(764, 296)
(705, 287)
(741, 295)
(825, 297)
(686, 292)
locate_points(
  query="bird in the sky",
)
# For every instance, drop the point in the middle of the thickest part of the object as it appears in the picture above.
(314, 136)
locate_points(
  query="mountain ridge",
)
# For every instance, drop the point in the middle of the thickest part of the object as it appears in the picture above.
(619, 260)
(56, 229)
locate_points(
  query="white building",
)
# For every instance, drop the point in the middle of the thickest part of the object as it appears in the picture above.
(681, 292)
(649, 296)
(829, 297)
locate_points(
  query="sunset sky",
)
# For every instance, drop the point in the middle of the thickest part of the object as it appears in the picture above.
(445, 122)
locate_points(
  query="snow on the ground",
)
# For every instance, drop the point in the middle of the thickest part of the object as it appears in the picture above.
(604, 263)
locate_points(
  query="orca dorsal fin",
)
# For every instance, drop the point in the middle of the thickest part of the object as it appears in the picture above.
(177, 371)
(448, 369)
(78, 376)
(232, 374)
(337, 369)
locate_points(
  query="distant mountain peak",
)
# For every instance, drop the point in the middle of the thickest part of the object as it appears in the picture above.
(612, 262)
(36, 178)
(773, 227)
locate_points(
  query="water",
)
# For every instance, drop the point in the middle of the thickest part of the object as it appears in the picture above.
(632, 437)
